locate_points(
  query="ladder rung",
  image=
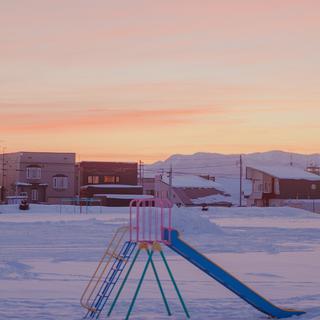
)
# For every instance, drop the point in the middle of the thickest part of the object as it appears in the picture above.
(111, 254)
(112, 277)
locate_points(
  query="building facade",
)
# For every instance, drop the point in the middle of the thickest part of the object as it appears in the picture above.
(39, 177)
(98, 172)
(274, 186)
(114, 183)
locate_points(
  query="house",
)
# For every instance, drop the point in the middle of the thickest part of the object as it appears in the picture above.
(39, 177)
(148, 184)
(191, 190)
(114, 183)
(274, 185)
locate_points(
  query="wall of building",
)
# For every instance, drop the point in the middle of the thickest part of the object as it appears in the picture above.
(91, 191)
(9, 172)
(267, 190)
(124, 172)
(50, 164)
(148, 185)
(299, 189)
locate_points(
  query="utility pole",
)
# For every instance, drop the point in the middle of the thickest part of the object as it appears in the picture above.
(140, 172)
(79, 178)
(170, 183)
(3, 175)
(241, 173)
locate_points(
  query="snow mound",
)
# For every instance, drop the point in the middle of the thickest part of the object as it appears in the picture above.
(191, 222)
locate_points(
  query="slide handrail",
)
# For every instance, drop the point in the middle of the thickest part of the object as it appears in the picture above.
(110, 253)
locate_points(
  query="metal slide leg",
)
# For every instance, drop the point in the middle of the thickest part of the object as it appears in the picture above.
(123, 283)
(174, 284)
(159, 285)
(139, 285)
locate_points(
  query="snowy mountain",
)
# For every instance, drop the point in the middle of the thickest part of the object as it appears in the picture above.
(222, 165)
(226, 168)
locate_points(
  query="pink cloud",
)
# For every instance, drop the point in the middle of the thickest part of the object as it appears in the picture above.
(99, 119)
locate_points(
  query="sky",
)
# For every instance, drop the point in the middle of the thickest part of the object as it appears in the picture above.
(136, 80)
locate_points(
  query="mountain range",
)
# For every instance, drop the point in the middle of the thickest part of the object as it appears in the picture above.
(228, 165)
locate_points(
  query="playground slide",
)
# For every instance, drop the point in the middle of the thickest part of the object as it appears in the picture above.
(226, 279)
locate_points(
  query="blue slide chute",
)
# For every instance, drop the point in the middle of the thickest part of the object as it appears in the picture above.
(225, 278)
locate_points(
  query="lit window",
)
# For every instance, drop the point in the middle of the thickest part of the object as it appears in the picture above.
(111, 179)
(33, 173)
(93, 179)
(60, 182)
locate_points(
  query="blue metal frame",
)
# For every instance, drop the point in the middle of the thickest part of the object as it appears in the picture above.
(111, 279)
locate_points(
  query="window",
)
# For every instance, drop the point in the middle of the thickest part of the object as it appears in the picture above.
(34, 194)
(33, 172)
(111, 179)
(24, 194)
(60, 182)
(93, 179)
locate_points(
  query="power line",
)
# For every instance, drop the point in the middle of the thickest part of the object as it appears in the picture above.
(202, 167)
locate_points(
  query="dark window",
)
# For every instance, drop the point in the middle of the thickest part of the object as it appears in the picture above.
(33, 172)
(93, 179)
(60, 182)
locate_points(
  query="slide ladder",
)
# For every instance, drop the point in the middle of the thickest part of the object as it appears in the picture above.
(115, 253)
(111, 279)
(225, 278)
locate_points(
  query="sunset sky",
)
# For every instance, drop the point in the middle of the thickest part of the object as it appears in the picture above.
(129, 80)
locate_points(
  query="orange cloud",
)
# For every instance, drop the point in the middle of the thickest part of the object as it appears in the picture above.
(100, 118)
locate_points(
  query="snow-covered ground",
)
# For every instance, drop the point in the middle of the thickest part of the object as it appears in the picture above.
(47, 257)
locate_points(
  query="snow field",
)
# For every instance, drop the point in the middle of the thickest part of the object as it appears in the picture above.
(46, 258)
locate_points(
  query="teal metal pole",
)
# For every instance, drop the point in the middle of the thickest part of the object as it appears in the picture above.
(174, 284)
(123, 282)
(139, 285)
(160, 286)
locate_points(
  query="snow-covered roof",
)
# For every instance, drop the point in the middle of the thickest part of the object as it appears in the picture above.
(23, 184)
(287, 172)
(215, 198)
(192, 181)
(16, 197)
(111, 186)
(125, 196)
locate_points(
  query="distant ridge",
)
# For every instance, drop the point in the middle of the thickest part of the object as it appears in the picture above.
(227, 165)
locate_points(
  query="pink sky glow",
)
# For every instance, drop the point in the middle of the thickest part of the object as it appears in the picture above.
(130, 80)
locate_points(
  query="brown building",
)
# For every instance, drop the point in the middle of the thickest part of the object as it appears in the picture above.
(38, 176)
(114, 183)
(271, 185)
(98, 172)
